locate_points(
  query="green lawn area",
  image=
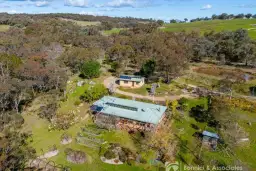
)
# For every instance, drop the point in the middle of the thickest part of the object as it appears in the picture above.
(112, 31)
(215, 25)
(44, 138)
(210, 82)
(245, 152)
(164, 89)
(190, 145)
(244, 88)
(142, 90)
(4, 28)
(83, 23)
(87, 23)
(197, 79)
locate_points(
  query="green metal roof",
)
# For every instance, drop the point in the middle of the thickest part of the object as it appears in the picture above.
(130, 109)
(131, 78)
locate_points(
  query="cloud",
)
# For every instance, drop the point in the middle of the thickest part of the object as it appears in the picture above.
(76, 3)
(41, 3)
(37, 3)
(21, 0)
(126, 3)
(90, 13)
(4, 6)
(206, 7)
(109, 9)
(14, 12)
(121, 3)
(43, 12)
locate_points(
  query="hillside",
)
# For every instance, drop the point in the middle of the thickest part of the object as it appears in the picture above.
(56, 69)
(216, 25)
(4, 28)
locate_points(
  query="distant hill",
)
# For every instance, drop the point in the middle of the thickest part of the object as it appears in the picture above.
(215, 25)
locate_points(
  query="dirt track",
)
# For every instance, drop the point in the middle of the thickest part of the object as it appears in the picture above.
(111, 80)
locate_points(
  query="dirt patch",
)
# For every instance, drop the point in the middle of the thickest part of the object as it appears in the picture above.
(237, 74)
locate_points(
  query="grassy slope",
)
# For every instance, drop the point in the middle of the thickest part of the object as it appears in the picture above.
(83, 23)
(4, 28)
(43, 139)
(189, 144)
(87, 23)
(216, 25)
(171, 89)
(112, 31)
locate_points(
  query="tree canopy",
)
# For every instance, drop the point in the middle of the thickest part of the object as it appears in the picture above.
(90, 69)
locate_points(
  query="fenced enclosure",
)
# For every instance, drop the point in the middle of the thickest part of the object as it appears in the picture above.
(90, 137)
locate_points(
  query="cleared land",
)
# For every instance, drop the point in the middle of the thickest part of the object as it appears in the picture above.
(186, 128)
(215, 25)
(112, 31)
(44, 138)
(83, 23)
(4, 28)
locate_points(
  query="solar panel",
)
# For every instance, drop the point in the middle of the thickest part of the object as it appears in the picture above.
(122, 106)
(125, 77)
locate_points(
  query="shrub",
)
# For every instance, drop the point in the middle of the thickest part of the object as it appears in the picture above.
(109, 154)
(48, 111)
(52, 148)
(90, 69)
(94, 93)
(148, 68)
(73, 156)
(77, 102)
(65, 136)
(64, 120)
(115, 66)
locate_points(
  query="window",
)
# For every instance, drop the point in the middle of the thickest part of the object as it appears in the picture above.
(137, 83)
(125, 82)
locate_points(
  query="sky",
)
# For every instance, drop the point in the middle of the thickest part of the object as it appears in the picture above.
(156, 9)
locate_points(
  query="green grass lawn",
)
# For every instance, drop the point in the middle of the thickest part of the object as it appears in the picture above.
(83, 23)
(112, 31)
(142, 90)
(215, 25)
(87, 23)
(210, 82)
(44, 138)
(164, 89)
(4, 28)
(197, 79)
(190, 146)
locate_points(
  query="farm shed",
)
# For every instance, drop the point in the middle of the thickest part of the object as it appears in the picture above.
(117, 113)
(210, 139)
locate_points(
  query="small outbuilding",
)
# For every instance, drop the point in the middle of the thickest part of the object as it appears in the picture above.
(210, 139)
(131, 81)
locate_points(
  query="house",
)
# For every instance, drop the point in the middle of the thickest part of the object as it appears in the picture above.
(116, 113)
(210, 139)
(131, 81)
